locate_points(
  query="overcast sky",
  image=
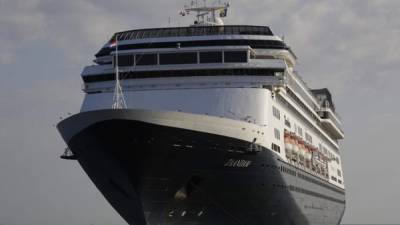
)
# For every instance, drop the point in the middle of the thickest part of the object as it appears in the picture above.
(350, 46)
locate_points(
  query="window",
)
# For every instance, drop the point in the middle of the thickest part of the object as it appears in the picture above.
(125, 60)
(300, 131)
(210, 57)
(180, 73)
(276, 112)
(277, 134)
(178, 58)
(235, 57)
(339, 173)
(287, 122)
(334, 178)
(276, 147)
(308, 138)
(146, 59)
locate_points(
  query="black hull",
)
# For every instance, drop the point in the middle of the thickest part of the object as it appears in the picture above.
(154, 174)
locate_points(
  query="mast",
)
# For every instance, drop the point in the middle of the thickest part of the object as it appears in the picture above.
(207, 15)
(118, 99)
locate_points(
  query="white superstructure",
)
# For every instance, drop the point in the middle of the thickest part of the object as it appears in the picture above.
(207, 124)
(227, 72)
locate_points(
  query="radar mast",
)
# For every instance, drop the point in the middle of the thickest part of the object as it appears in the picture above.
(207, 15)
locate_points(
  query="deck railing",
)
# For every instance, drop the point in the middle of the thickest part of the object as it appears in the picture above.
(193, 31)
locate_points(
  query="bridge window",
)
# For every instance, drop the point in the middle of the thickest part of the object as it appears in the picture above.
(235, 56)
(146, 59)
(125, 60)
(178, 58)
(210, 57)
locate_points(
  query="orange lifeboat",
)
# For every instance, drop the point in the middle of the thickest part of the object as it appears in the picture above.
(295, 144)
(308, 155)
(302, 149)
(288, 144)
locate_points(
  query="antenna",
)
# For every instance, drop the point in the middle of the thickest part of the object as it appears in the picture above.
(207, 15)
(118, 99)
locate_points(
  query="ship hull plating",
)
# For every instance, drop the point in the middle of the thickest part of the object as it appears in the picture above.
(155, 174)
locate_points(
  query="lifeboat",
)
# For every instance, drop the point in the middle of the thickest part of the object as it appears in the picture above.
(288, 144)
(308, 155)
(295, 144)
(302, 149)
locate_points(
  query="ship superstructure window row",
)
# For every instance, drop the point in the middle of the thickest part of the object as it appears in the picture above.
(261, 44)
(176, 58)
(181, 73)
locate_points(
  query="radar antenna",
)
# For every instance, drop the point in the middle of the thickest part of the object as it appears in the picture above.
(207, 15)
(118, 99)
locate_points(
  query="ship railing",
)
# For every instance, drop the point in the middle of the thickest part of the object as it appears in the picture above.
(326, 113)
(334, 114)
(295, 82)
(309, 93)
(194, 31)
(307, 96)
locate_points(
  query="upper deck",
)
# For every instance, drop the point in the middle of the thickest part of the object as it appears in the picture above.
(254, 36)
(193, 31)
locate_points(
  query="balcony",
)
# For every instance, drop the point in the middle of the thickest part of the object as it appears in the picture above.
(331, 122)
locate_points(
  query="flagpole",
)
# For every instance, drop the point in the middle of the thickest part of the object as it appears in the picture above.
(119, 101)
(117, 84)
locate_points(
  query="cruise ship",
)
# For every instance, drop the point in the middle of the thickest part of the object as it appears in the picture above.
(208, 124)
